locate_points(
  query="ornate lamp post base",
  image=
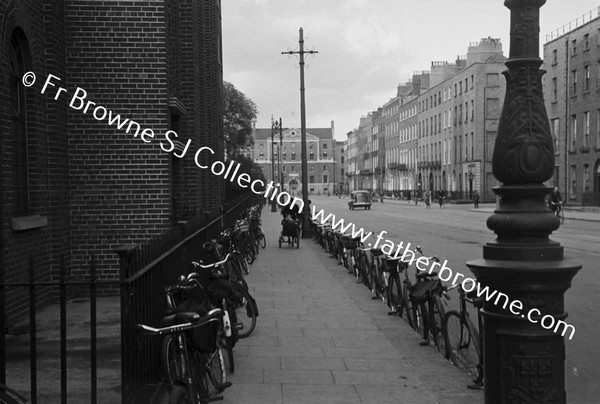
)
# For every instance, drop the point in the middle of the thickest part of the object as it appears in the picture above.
(523, 327)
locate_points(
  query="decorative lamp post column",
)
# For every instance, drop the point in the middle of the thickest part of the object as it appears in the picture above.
(524, 362)
(273, 202)
(280, 181)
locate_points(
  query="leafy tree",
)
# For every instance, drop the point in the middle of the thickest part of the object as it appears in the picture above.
(239, 114)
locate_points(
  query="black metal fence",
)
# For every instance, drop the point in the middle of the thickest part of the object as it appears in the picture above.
(145, 271)
(64, 284)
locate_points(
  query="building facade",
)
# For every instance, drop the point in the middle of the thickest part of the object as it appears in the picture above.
(279, 155)
(439, 131)
(72, 184)
(572, 97)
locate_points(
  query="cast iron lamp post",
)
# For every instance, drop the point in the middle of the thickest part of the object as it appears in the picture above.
(273, 130)
(524, 362)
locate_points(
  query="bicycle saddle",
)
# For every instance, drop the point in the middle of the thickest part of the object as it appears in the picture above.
(180, 318)
(376, 251)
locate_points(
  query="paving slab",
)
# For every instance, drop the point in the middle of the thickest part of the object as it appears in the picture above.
(321, 338)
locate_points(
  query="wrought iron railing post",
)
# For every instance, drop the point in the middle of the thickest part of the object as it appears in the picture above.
(125, 269)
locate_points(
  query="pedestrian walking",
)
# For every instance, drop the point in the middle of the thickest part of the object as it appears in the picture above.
(476, 200)
(442, 198)
(427, 198)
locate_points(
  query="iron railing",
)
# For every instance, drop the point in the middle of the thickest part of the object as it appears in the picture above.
(145, 271)
(63, 284)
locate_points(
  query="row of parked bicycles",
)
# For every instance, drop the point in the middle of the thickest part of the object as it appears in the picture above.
(420, 299)
(208, 311)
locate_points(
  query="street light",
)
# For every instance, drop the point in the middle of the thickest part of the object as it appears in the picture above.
(279, 154)
(523, 361)
(273, 128)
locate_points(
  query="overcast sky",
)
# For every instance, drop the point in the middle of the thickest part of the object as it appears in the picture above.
(366, 48)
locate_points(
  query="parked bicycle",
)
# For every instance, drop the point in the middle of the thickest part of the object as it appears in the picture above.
(557, 209)
(190, 354)
(462, 338)
(428, 308)
(9, 396)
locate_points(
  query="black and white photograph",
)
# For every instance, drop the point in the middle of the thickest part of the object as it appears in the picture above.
(299, 202)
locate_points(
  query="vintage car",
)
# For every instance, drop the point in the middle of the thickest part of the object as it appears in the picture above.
(360, 199)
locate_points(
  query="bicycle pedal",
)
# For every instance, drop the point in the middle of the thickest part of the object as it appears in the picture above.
(476, 386)
(424, 343)
(238, 326)
(392, 313)
(215, 398)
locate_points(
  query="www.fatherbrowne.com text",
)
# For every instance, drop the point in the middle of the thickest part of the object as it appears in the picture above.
(445, 273)
(272, 192)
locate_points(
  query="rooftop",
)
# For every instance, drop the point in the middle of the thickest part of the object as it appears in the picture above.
(573, 25)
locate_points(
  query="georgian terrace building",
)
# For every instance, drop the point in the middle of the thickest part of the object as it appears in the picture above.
(285, 156)
(440, 129)
(572, 97)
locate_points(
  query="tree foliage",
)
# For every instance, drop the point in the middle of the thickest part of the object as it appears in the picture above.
(239, 114)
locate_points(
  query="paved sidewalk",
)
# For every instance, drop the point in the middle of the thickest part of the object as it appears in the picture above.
(321, 339)
(570, 214)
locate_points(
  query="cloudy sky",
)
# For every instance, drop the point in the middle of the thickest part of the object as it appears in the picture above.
(366, 48)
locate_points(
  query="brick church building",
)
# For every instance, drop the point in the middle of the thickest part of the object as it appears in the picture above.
(73, 184)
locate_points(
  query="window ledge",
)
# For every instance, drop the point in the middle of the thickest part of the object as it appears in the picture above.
(28, 222)
(584, 149)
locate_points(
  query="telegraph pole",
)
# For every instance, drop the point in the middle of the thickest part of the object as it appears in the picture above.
(301, 52)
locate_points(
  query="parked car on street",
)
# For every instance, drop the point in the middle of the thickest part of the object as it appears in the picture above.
(360, 199)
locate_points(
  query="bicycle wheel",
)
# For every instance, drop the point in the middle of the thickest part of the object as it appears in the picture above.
(262, 239)
(250, 257)
(180, 395)
(9, 396)
(227, 343)
(215, 363)
(395, 300)
(199, 388)
(236, 272)
(245, 312)
(462, 342)
(407, 306)
(561, 215)
(172, 360)
(436, 329)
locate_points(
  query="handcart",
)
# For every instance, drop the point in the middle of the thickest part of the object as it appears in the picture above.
(292, 230)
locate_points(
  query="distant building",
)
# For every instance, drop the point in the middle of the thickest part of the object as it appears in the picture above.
(285, 157)
(458, 122)
(572, 97)
(439, 131)
(339, 178)
(359, 167)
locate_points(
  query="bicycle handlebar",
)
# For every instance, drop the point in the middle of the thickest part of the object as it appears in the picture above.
(213, 265)
(212, 315)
